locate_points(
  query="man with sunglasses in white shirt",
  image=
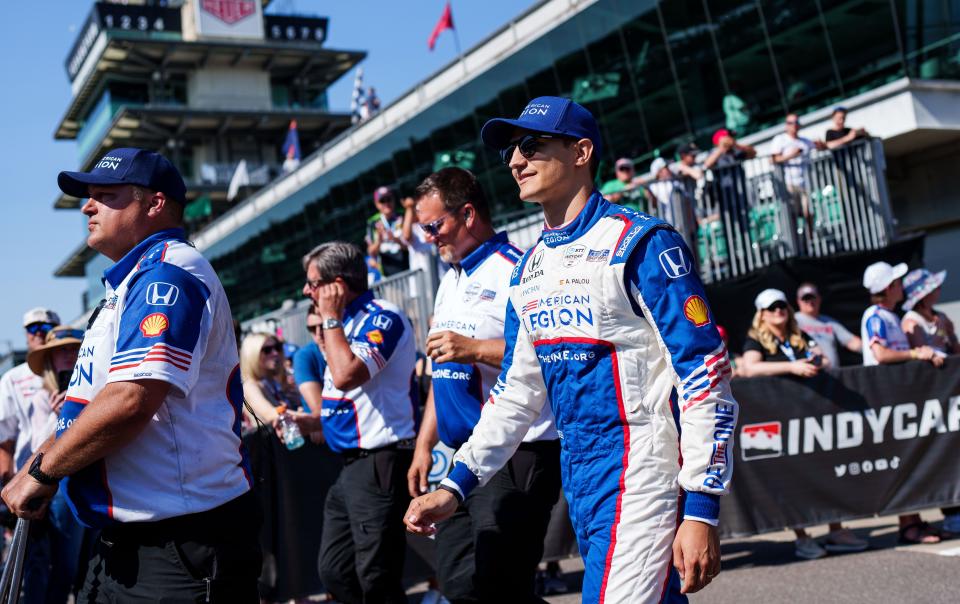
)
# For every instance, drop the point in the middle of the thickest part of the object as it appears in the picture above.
(17, 387)
(608, 321)
(489, 550)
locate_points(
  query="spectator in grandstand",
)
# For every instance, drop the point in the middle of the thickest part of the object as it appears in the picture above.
(626, 188)
(384, 237)
(669, 201)
(489, 549)
(53, 550)
(370, 408)
(727, 151)
(926, 326)
(792, 151)
(840, 135)
(727, 193)
(826, 331)
(885, 342)
(686, 168)
(775, 345)
(263, 373)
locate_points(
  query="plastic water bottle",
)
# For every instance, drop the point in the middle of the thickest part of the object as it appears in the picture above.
(292, 437)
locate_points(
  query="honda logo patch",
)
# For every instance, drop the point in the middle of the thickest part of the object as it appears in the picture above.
(162, 294)
(675, 263)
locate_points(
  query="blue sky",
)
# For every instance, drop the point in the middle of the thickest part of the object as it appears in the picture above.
(35, 38)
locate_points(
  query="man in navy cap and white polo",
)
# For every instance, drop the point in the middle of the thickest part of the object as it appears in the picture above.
(148, 441)
(610, 324)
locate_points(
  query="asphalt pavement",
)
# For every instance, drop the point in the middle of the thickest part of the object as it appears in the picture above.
(764, 570)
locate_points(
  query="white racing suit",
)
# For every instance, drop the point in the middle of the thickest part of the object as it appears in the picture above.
(608, 321)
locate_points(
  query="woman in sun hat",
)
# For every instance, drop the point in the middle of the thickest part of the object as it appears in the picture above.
(54, 566)
(926, 326)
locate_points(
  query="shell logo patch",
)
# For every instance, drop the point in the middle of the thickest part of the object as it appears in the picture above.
(375, 337)
(154, 324)
(695, 310)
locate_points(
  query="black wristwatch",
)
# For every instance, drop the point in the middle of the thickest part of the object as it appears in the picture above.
(39, 475)
(453, 491)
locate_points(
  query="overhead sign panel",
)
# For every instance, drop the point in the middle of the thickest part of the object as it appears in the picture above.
(282, 28)
(122, 17)
(229, 19)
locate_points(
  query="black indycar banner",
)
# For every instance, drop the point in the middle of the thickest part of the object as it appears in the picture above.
(849, 443)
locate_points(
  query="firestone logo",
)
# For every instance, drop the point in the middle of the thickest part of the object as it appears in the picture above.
(230, 11)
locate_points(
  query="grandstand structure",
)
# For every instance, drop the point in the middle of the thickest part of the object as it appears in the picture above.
(655, 73)
(207, 84)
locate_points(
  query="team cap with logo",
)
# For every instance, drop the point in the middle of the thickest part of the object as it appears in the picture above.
(127, 166)
(547, 115)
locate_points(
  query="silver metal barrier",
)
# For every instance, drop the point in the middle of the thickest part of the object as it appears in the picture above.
(756, 212)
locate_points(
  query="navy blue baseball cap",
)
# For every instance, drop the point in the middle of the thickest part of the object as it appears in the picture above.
(127, 166)
(548, 115)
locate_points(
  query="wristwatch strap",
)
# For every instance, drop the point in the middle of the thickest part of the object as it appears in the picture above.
(452, 490)
(38, 474)
(331, 324)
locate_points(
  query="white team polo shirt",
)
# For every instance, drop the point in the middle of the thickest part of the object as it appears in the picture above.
(383, 410)
(472, 302)
(165, 317)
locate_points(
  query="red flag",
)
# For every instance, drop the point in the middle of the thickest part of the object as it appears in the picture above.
(445, 22)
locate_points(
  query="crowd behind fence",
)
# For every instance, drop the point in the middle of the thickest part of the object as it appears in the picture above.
(735, 219)
(745, 216)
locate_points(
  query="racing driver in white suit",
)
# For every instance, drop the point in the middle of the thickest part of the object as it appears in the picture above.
(607, 320)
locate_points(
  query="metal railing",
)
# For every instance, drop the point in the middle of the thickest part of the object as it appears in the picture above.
(409, 290)
(748, 215)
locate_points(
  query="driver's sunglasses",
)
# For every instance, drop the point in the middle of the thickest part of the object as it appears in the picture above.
(528, 145)
(41, 329)
(809, 297)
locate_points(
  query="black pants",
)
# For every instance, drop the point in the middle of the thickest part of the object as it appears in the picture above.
(489, 549)
(211, 556)
(364, 540)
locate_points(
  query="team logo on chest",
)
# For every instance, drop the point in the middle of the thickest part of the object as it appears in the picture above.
(573, 255)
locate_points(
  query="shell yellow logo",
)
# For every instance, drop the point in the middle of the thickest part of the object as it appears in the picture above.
(695, 310)
(154, 324)
(375, 337)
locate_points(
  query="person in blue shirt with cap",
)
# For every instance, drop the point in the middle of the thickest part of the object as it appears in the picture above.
(608, 321)
(148, 445)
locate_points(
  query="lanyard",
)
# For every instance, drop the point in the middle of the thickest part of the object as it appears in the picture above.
(787, 350)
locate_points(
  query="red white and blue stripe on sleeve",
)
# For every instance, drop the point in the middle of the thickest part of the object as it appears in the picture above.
(161, 324)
